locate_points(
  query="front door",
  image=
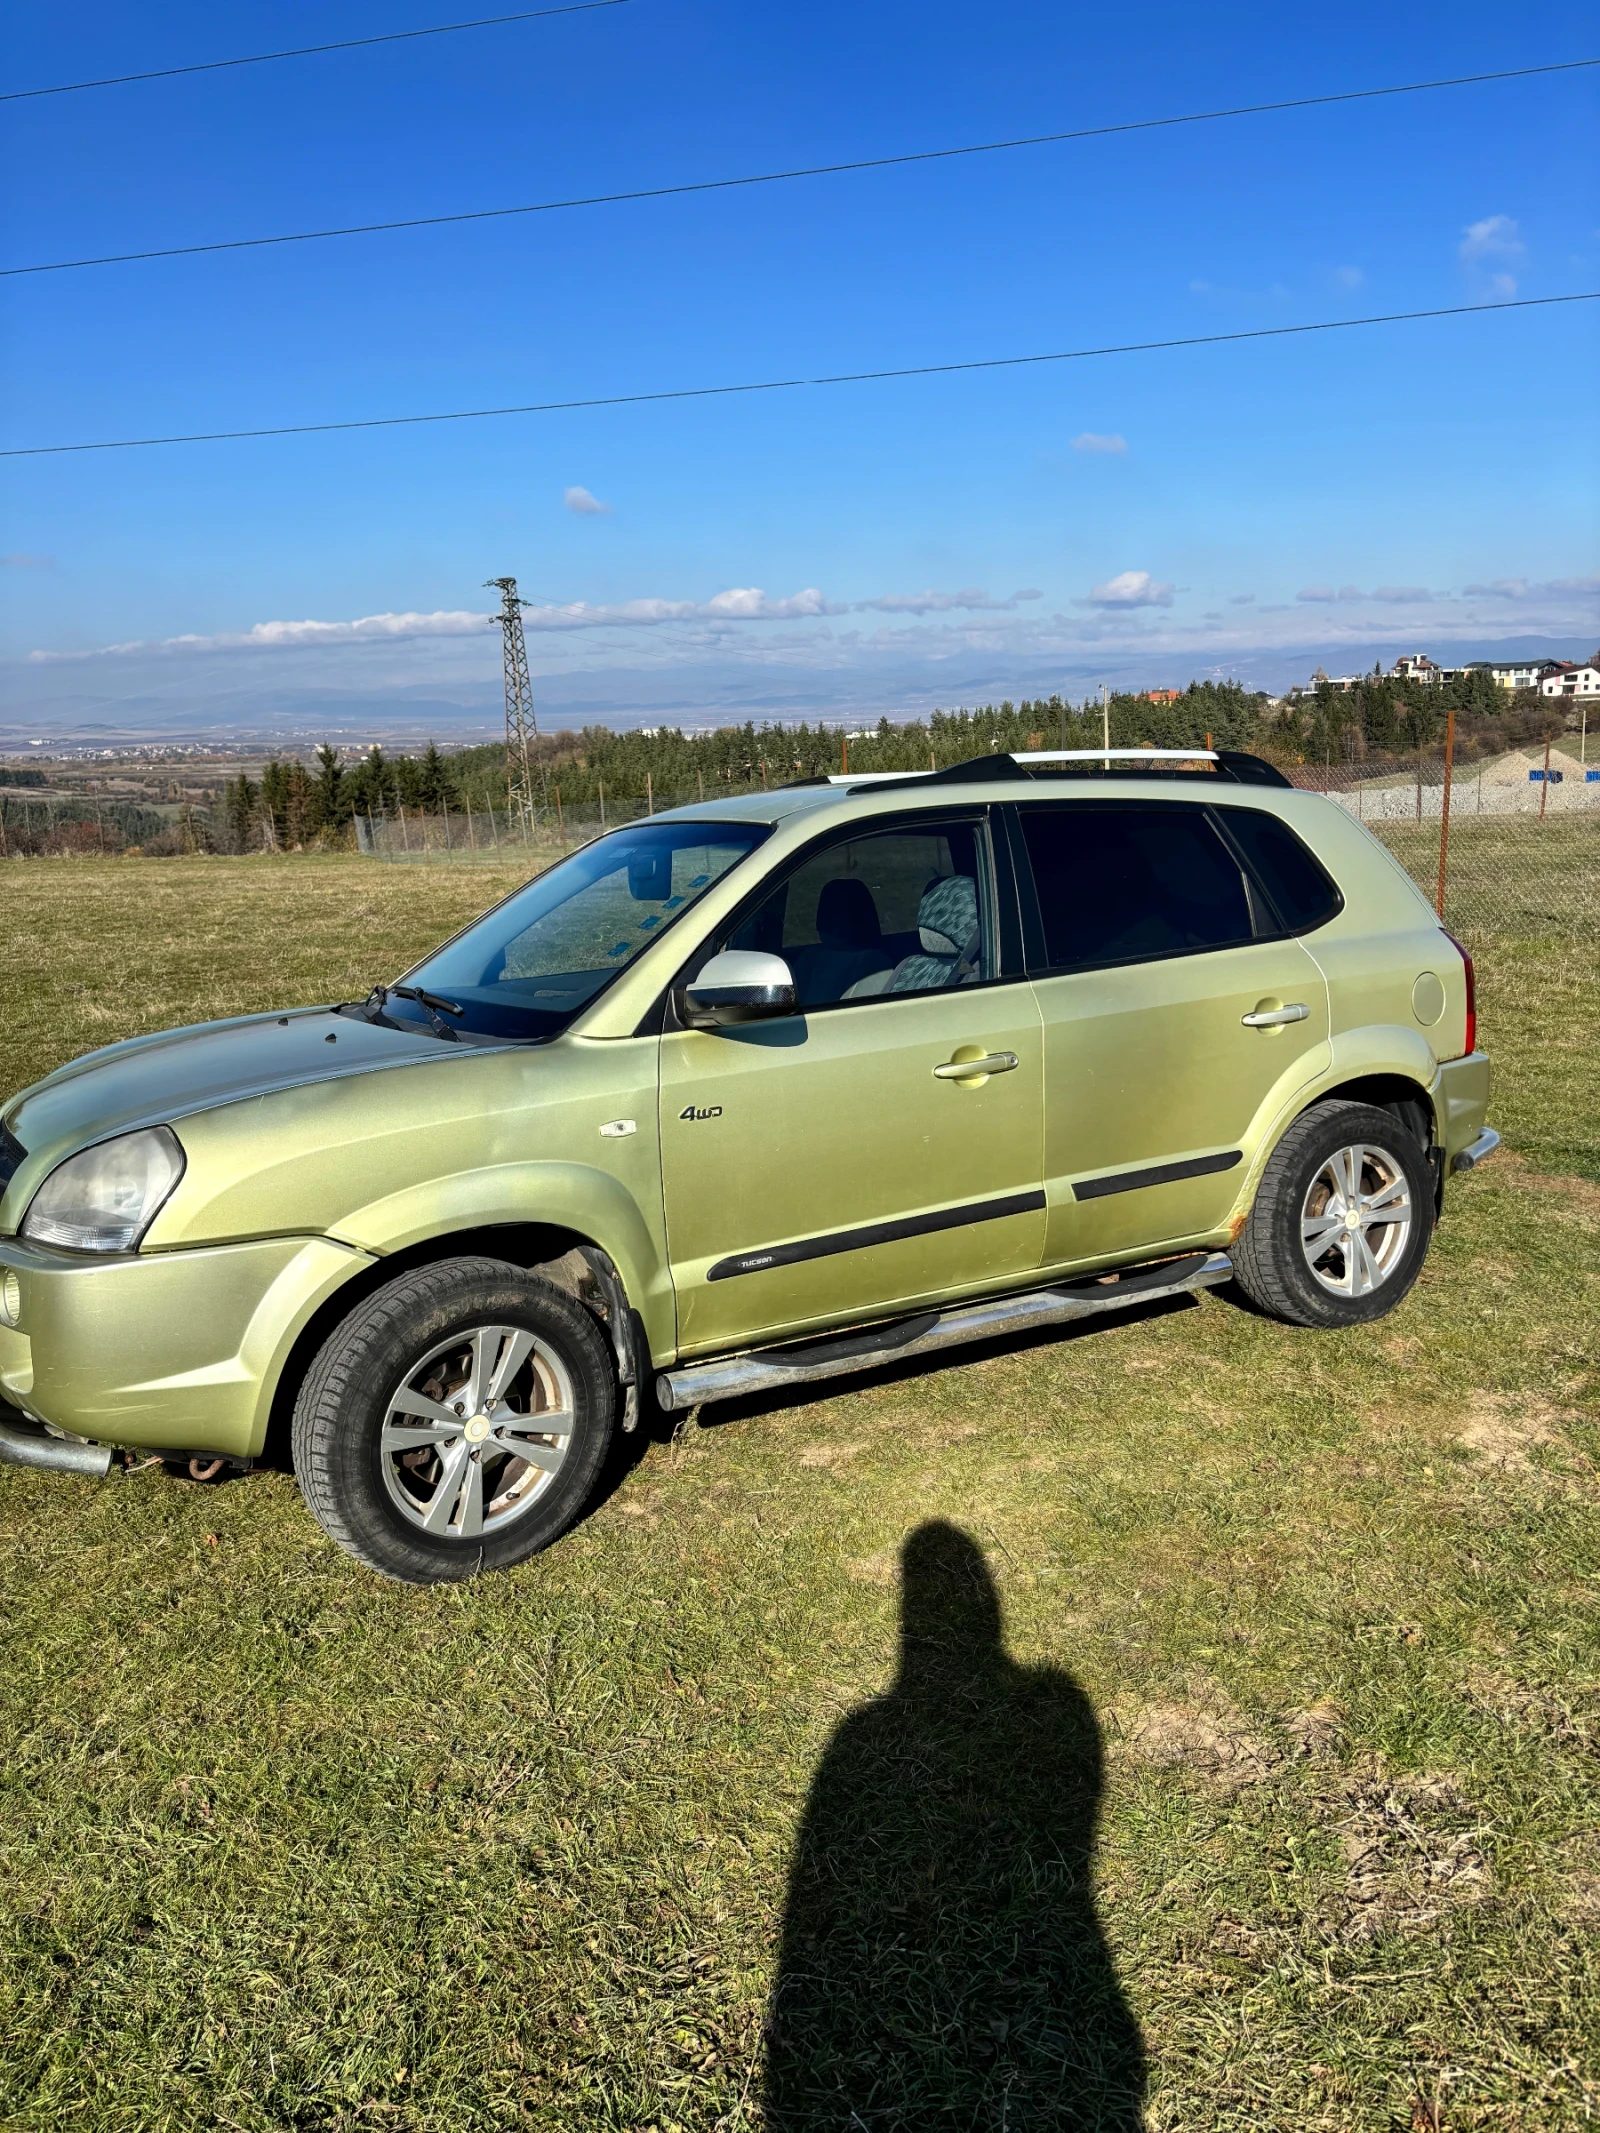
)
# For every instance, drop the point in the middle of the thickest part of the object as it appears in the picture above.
(1157, 945)
(821, 1168)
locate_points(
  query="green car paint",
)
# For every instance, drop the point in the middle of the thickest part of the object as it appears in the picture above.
(749, 1183)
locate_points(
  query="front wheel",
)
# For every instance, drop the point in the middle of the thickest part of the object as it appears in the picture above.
(455, 1422)
(1342, 1219)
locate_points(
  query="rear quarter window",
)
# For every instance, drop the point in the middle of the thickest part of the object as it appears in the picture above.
(1302, 892)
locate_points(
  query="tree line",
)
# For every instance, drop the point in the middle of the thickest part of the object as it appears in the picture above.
(1383, 719)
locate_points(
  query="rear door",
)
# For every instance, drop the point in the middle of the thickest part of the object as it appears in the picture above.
(1151, 944)
(835, 1164)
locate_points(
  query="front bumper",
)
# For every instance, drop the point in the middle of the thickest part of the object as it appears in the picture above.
(181, 1350)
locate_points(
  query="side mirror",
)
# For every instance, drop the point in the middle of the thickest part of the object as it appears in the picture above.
(739, 985)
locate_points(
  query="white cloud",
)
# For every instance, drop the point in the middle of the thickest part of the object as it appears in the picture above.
(938, 603)
(1401, 595)
(1130, 588)
(27, 562)
(1525, 589)
(1495, 239)
(737, 604)
(1243, 600)
(587, 506)
(1090, 441)
(1348, 277)
(273, 636)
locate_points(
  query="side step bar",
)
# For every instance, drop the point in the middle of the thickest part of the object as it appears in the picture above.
(731, 1377)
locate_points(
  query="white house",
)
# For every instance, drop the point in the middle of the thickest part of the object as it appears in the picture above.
(1525, 676)
(1416, 666)
(1572, 678)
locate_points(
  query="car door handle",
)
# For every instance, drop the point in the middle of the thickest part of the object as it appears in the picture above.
(1276, 1017)
(970, 1069)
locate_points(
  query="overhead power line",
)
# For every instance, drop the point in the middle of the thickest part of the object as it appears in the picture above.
(306, 51)
(778, 385)
(783, 177)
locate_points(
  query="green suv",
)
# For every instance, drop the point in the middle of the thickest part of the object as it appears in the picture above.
(743, 1095)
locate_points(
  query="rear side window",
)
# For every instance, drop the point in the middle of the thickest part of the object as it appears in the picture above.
(1300, 891)
(1119, 883)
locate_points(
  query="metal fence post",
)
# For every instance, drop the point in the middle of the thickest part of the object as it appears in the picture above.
(1444, 809)
(1544, 789)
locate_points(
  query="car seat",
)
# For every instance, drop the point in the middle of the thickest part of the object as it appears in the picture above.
(848, 946)
(950, 938)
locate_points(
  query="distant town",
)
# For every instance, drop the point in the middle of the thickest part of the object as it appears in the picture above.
(1549, 677)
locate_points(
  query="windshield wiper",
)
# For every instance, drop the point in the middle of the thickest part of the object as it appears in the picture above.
(433, 1005)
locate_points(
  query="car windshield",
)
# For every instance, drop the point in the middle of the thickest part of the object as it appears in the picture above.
(528, 966)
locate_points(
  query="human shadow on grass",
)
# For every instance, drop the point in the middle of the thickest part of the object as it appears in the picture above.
(942, 1964)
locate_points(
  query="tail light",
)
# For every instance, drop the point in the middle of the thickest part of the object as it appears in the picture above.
(1472, 990)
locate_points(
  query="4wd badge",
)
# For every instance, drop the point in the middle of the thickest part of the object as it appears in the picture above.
(711, 1111)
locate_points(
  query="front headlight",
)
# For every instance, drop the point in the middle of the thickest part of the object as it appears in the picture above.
(106, 1198)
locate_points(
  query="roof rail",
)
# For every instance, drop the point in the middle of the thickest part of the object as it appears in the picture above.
(1231, 764)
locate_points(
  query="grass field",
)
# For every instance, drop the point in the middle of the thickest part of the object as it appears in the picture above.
(1274, 1804)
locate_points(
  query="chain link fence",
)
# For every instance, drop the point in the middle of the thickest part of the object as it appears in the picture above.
(468, 836)
(1505, 845)
(47, 826)
(1502, 847)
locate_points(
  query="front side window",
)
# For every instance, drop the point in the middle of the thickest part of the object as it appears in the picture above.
(528, 967)
(1120, 883)
(897, 911)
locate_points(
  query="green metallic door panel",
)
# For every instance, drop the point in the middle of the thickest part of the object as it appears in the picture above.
(1150, 1063)
(825, 1122)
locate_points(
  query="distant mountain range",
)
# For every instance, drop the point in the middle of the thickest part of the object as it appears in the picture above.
(62, 711)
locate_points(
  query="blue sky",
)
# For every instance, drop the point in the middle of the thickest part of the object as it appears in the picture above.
(1164, 514)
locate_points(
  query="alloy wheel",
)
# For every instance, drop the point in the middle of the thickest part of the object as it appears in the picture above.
(1356, 1219)
(477, 1432)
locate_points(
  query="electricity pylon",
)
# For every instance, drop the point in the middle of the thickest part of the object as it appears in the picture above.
(521, 725)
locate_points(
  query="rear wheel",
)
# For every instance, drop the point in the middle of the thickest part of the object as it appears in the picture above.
(455, 1422)
(1342, 1219)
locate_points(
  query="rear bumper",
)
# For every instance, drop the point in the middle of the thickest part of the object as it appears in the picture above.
(1462, 1106)
(180, 1350)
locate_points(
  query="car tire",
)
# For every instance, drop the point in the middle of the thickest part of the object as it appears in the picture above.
(412, 1423)
(1299, 1258)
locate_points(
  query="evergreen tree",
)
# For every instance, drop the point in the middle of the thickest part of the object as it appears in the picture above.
(240, 799)
(275, 804)
(297, 806)
(330, 809)
(364, 786)
(435, 786)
